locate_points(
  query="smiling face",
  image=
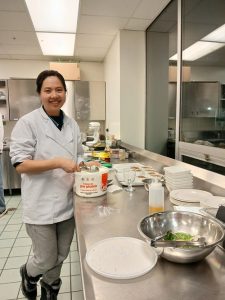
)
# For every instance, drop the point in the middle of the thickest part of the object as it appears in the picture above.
(52, 95)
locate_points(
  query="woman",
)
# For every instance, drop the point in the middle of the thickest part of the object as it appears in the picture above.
(46, 150)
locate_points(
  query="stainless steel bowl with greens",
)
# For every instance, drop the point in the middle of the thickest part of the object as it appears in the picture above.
(182, 225)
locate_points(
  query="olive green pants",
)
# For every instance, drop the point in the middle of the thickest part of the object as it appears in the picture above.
(51, 246)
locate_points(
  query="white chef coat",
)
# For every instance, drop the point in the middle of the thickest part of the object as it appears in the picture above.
(47, 197)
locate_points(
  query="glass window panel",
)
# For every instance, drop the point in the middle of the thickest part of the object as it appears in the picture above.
(203, 104)
(161, 41)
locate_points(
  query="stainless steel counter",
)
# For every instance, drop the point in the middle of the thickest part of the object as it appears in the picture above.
(118, 214)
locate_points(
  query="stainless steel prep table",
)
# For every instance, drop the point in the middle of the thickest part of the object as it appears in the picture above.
(118, 214)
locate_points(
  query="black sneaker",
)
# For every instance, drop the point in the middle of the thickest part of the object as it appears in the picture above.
(50, 292)
(29, 284)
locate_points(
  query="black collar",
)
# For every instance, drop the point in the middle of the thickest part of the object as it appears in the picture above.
(57, 120)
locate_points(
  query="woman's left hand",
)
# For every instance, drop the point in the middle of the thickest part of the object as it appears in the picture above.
(88, 164)
(93, 163)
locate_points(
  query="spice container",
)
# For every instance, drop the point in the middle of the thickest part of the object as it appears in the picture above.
(122, 154)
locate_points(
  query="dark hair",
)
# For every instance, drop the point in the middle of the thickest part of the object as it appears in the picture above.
(44, 74)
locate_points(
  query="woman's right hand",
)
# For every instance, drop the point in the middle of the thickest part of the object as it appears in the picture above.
(68, 165)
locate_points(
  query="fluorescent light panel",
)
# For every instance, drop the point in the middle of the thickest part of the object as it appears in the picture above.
(197, 50)
(54, 15)
(57, 44)
(218, 35)
(210, 43)
(55, 23)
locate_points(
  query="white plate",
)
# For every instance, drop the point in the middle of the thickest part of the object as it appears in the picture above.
(181, 180)
(121, 257)
(194, 209)
(182, 203)
(176, 171)
(213, 202)
(176, 186)
(190, 195)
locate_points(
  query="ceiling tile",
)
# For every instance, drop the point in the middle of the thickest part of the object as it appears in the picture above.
(137, 24)
(100, 25)
(13, 5)
(15, 21)
(19, 49)
(18, 37)
(149, 9)
(4, 56)
(118, 8)
(90, 54)
(93, 51)
(88, 40)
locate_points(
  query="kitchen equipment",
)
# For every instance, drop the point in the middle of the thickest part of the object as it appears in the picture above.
(158, 224)
(22, 97)
(91, 182)
(177, 244)
(93, 133)
(121, 257)
(11, 178)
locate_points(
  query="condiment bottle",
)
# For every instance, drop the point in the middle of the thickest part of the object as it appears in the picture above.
(122, 154)
(156, 197)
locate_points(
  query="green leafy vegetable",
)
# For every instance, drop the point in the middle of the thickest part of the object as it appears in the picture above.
(178, 236)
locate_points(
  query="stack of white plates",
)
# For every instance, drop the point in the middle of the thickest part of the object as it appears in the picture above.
(213, 202)
(189, 197)
(178, 178)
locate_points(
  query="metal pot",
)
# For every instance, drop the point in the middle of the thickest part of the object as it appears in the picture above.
(159, 224)
(91, 182)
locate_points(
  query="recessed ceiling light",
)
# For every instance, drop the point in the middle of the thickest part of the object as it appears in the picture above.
(55, 23)
(211, 42)
(57, 44)
(54, 15)
(217, 35)
(198, 49)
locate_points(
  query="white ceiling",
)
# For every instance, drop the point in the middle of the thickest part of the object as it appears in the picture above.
(98, 23)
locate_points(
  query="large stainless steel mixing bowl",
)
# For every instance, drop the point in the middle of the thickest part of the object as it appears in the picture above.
(158, 224)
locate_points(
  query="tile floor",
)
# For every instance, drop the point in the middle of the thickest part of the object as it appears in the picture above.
(15, 248)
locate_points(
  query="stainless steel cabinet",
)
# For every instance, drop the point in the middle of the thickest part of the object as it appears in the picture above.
(200, 99)
(4, 106)
(82, 100)
(22, 97)
(89, 100)
(85, 100)
(11, 179)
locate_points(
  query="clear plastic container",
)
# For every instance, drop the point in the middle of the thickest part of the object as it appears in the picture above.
(156, 197)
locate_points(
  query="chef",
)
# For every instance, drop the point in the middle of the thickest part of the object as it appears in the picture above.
(46, 150)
